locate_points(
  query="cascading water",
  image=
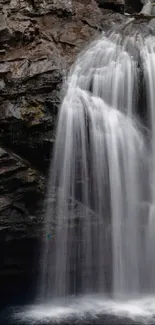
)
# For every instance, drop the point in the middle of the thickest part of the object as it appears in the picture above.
(98, 202)
(148, 59)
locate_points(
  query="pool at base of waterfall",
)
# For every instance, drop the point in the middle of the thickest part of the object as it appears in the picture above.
(96, 310)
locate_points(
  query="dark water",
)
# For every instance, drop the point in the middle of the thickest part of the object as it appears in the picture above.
(15, 290)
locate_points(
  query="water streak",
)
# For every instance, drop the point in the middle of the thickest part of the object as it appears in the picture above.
(99, 195)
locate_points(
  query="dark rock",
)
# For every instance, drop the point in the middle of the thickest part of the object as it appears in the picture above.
(21, 221)
(116, 5)
(22, 193)
(133, 6)
(38, 54)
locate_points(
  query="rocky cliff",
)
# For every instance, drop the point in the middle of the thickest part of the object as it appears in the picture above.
(38, 43)
(39, 40)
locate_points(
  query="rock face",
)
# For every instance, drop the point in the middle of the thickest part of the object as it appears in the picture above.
(21, 221)
(21, 194)
(38, 43)
(39, 40)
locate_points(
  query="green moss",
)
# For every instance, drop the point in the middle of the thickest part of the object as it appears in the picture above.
(32, 114)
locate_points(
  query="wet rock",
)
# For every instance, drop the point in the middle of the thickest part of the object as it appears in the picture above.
(42, 40)
(21, 218)
(21, 197)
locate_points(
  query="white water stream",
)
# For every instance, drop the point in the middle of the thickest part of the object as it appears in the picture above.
(101, 194)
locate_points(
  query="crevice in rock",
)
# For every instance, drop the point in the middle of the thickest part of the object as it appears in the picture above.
(133, 6)
(130, 6)
(85, 21)
(111, 5)
(32, 3)
(38, 157)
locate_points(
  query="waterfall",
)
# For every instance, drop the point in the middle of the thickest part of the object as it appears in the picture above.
(147, 8)
(148, 58)
(101, 191)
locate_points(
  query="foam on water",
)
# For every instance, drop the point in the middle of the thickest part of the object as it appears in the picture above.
(88, 307)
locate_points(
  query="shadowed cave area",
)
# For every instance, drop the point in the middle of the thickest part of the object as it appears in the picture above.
(133, 6)
(130, 6)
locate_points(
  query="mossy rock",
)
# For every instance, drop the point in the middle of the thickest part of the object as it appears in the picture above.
(32, 114)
